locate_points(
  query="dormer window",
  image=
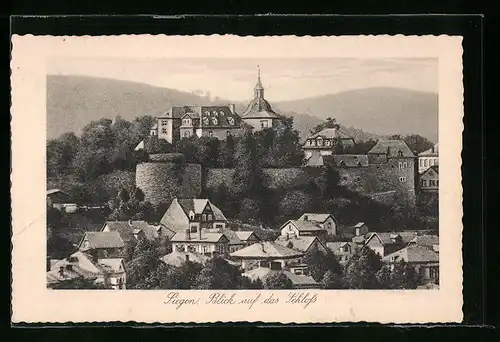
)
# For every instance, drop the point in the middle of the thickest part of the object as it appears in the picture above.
(221, 112)
(320, 142)
(191, 216)
(327, 142)
(400, 153)
(207, 113)
(186, 122)
(214, 121)
(214, 112)
(206, 121)
(230, 119)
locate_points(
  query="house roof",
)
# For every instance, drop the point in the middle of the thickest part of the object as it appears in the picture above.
(391, 148)
(206, 116)
(99, 240)
(348, 160)
(179, 258)
(304, 226)
(300, 279)
(127, 229)
(259, 108)
(414, 254)
(301, 243)
(266, 250)
(315, 217)
(197, 205)
(58, 195)
(385, 237)
(330, 133)
(334, 246)
(230, 235)
(208, 237)
(433, 167)
(407, 235)
(112, 264)
(433, 151)
(360, 239)
(244, 235)
(359, 225)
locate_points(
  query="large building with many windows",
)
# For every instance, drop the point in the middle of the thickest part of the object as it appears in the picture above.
(428, 158)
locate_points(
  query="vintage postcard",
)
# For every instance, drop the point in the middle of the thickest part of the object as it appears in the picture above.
(199, 179)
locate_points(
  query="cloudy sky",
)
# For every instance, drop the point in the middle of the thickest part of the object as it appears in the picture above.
(284, 79)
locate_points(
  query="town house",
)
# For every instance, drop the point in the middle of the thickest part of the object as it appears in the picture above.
(384, 243)
(428, 158)
(102, 244)
(202, 242)
(299, 228)
(325, 221)
(327, 142)
(342, 250)
(131, 231)
(193, 214)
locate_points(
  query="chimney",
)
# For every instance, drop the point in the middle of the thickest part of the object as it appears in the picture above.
(231, 108)
(188, 234)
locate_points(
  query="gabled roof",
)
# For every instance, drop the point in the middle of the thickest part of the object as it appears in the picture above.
(205, 237)
(434, 168)
(414, 254)
(349, 160)
(433, 151)
(384, 237)
(113, 264)
(127, 229)
(244, 235)
(99, 240)
(206, 116)
(300, 279)
(425, 240)
(179, 258)
(304, 226)
(330, 133)
(301, 243)
(391, 148)
(266, 250)
(320, 218)
(335, 246)
(360, 239)
(196, 205)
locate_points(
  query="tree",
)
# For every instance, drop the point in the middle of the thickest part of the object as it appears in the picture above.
(124, 196)
(329, 123)
(249, 210)
(247, 283)
(79, 283)
(294, 203)
(332, 280)
(402, 276)
(277, 280)
(247, 178)
(191, 270)
(165, 277)
(418, 143)
(361, 269)
(320, 263)
(226, 152)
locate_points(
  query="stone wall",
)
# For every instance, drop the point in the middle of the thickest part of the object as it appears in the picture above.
(161, 182)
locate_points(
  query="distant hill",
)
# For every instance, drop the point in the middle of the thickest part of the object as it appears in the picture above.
(382, 111)
(74, 101)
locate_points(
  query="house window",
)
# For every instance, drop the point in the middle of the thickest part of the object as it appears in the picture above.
(164, 130)
(164, 122)
(86, 244)
(424, 183)
(432, 182)
(204, 217)
(194, 229)
(327, 142)
(264, 124)
(186, 134)
(346, 249)
(187, 122)
(320, 142)
(205, 249)
(209, 217)
(230, 120)
(214, 120)
(426, 162)
(421, 162)
(434, 272)
(219, 226)
(153, 132)
(228, 133)
(402, 179)
(313, 142)
(400, 153)
(400, 165)
(435, 161)
(211, 134)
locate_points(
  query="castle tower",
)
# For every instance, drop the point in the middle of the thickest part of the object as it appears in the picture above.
(259, 113)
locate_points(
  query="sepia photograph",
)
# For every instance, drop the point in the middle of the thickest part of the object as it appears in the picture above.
(206, 173)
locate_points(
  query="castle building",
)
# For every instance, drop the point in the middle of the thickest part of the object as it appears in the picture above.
(428, 158)
(259, 113)
(327, 142)
(203, 121)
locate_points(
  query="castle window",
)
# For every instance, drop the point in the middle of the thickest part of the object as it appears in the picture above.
(426, 162)
(400, 165)
(437, 183)
(424, 183)
(153, 132)
(164, 130)
(402, 179)
(264, 124)
(164, 122)
(405, 165)
(186, 134)
(214, 120)
(421, 162)
(230, 119)
(320, 142)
